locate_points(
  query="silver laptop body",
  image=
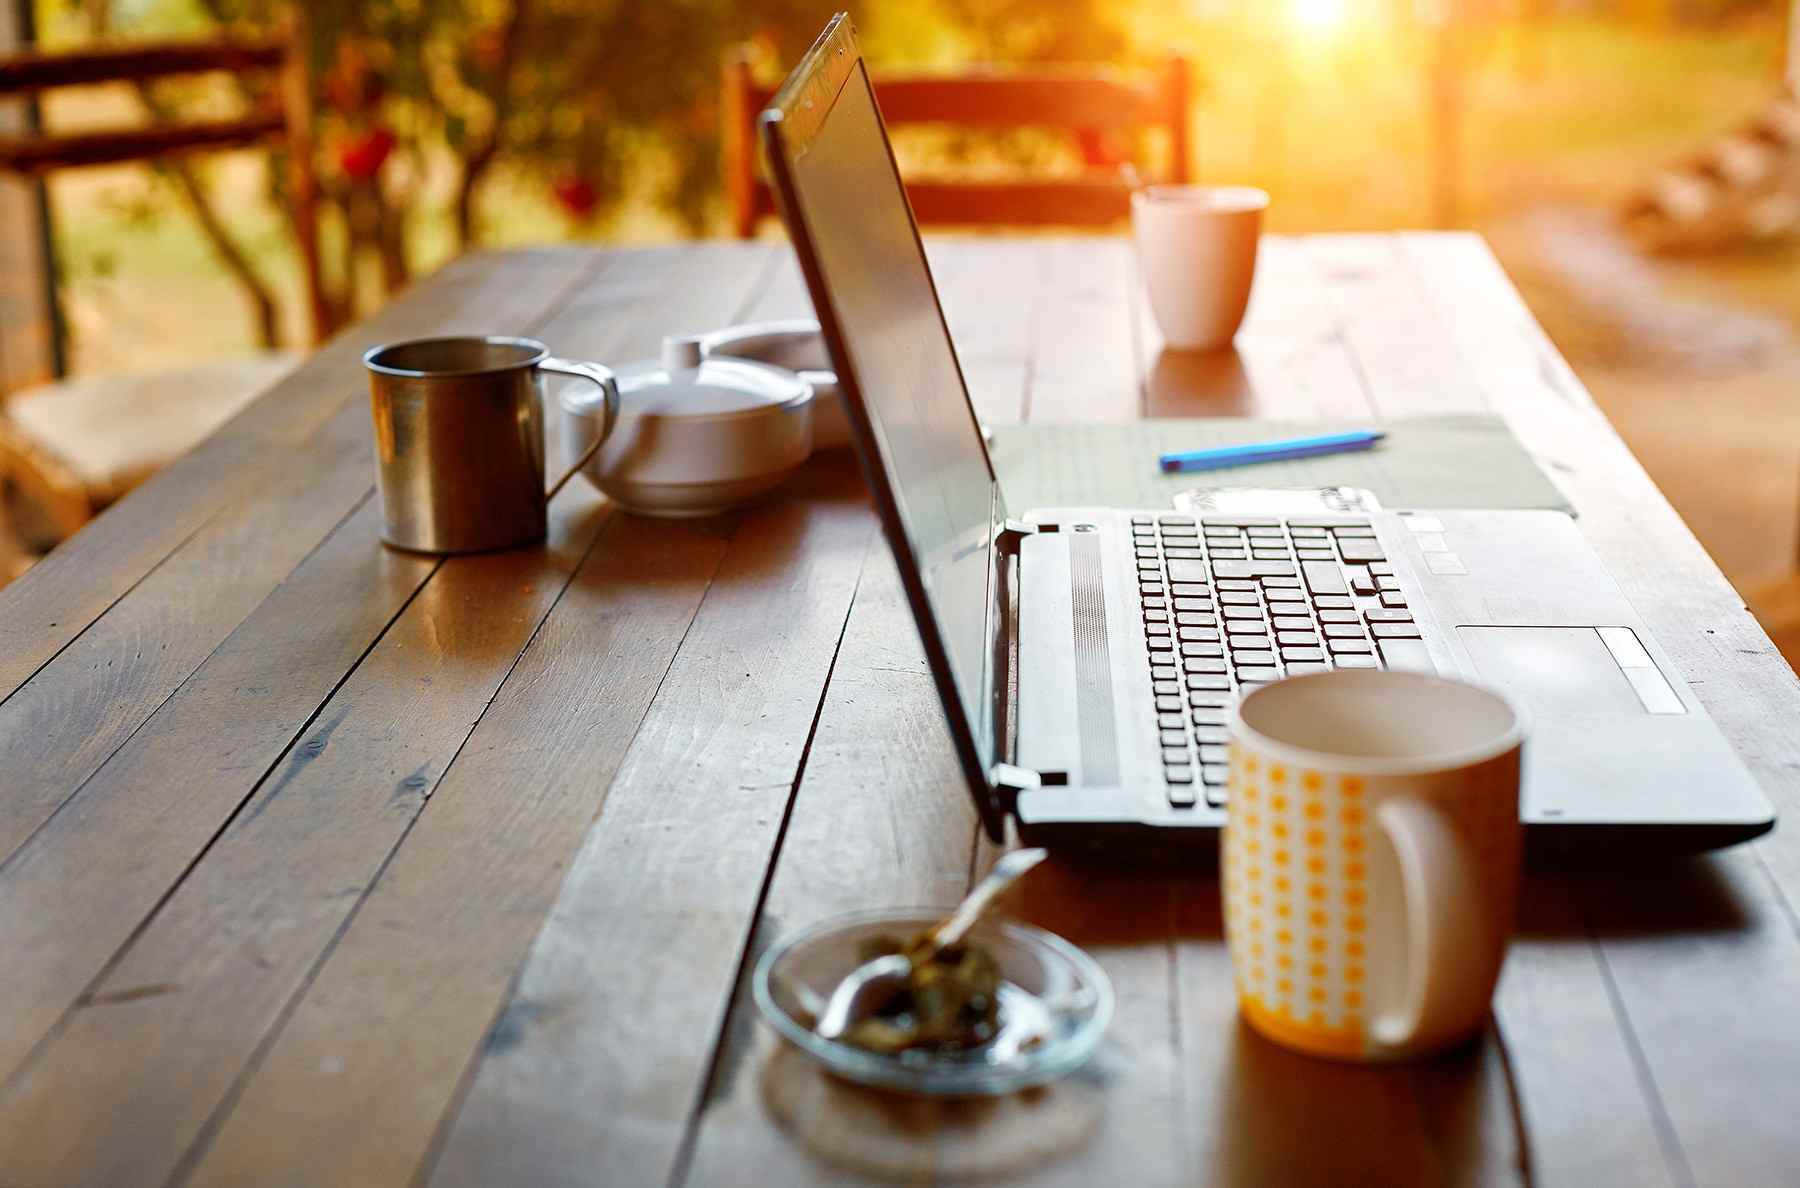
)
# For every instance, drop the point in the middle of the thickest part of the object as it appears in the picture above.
(1086, 656)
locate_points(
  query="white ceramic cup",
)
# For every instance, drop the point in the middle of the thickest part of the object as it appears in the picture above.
(1371, 859)
(1197, 251)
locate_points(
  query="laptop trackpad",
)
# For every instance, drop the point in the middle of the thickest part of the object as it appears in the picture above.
(1571, 670)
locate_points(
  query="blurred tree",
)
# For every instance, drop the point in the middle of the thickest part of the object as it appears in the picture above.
(576, 93)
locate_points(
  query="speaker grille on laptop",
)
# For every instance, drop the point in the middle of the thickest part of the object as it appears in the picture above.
(1093, 661)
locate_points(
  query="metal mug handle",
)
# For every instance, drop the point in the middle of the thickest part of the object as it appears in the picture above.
(595, 373)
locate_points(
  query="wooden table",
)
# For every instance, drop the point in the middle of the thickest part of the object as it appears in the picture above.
(324, 864)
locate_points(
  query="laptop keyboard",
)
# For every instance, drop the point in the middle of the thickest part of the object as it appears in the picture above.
(1233, 602)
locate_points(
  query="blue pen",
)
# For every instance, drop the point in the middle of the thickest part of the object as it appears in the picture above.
(1219, 457)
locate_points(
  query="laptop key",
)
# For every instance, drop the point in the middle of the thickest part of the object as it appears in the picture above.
(1360, 549)
(1206, 667)
(1258, 656)
(1281, 581)
(1195, 619)
(1176, 756)
(1329, 522)
(1317, 555)
(1244, 613)
(1188, 571)
(1207, 715)
(1216, 701)
(1407, 655)
(1213, 774)
(1256, 626)
(1211, 753)
(1302, 667)
(1392, 599)
(1165, 688)
(1309, 650)
(1382, 570)
(1323, 577)
(1174, 738)
(1362, 584)
(1170, 721)
(1155, 616)
(1189, 589)
(1283, 622)
(1287, 598)
(1381, 614)
(1389, 583)
(1334, 602)
(1181, 554)
(1182, 796)
(1354, 661)
(1343, 630)
(1211, 734)
(1199, 634)
(1251, 569)
(1192, 603)
(1339, 646)
(1197, 659)
(1247, 675)
(1227, 554)
(1156, 630)
(1168, 705)
(1239, 598)
(1160, 643)
(1202, 683)
(1394, 630)
(1335, 615)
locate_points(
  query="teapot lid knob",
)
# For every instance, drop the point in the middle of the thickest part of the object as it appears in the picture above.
(681, 352)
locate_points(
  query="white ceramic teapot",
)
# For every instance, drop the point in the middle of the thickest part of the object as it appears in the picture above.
(694, 436)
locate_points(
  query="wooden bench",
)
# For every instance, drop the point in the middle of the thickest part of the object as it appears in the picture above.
(1090, 104)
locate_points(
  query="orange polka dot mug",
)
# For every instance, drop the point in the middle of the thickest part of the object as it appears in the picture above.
(1371, 859)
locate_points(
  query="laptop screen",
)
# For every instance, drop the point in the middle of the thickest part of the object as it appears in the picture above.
(868, 260)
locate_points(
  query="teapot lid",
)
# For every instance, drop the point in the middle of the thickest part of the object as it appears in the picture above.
(685, 384)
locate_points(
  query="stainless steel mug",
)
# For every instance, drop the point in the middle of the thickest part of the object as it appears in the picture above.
(459, 440)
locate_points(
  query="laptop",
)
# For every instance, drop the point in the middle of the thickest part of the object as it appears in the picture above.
(1086, 657)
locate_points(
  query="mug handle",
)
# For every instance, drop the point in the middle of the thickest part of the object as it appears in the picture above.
(597, 373)
(1448, 933)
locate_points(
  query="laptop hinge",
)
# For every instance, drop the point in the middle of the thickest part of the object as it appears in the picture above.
(1010, 780)
(1011, 535)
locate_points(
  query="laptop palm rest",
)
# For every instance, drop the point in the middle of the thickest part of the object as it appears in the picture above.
(1571, 670)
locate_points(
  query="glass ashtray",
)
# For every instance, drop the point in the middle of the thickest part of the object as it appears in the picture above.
(1055, 1003)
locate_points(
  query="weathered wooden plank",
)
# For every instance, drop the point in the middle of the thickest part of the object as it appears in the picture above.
(1400, 350)
(160, 1037)
(1083, 363)
(986, 287)
(1289, 359)
(882, 818)
(1675, 944)
(75, 892)
(58, 729)
(622, 313)
(67, 591)
(354, 1082)
(706, 778)
(710, 775)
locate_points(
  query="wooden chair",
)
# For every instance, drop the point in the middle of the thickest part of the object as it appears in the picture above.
(1086, 103)
(71, 447)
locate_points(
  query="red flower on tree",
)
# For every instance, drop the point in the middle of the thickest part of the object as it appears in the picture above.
(362, 157)
(576, 195)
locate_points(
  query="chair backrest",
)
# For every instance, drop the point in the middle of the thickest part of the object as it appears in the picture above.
(1090, 103)
(285, 117)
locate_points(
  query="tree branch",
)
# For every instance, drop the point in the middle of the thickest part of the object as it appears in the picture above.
(477, 162)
